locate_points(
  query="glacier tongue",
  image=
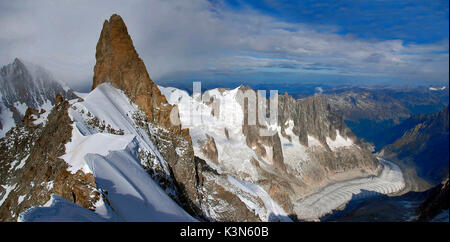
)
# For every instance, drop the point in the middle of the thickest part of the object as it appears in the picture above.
(333, 196)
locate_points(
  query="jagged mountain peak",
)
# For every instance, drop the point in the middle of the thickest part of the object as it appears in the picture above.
(26, 85)
(35, 72)
(119, 64)
(17, 63)
(29, 79)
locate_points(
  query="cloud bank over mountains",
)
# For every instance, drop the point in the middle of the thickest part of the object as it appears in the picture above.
(208, 38)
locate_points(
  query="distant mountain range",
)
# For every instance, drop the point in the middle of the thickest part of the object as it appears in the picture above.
(373, 113)
(422, 142)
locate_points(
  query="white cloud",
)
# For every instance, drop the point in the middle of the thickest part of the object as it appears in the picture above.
(194, 36)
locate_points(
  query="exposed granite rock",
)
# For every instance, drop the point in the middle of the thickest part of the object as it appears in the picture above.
(313, 116)
(254, 139)
(31, 169)
(118, 63)
(216, 201)
(209, 149)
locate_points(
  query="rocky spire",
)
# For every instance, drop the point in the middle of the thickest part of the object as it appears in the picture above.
(119, 64)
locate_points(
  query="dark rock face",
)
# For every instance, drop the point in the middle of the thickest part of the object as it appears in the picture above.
(254, 139)
(31, 169)
(424, 146)
(436, 202)
(313, 116)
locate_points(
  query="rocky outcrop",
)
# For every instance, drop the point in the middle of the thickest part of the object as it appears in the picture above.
(217, 203)
(118, 63)
(209, 149)
(312, 117)
(437, 202)
(31, 169)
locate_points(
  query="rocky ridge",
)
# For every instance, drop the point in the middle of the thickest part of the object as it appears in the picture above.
(424, 146)
(31, 169)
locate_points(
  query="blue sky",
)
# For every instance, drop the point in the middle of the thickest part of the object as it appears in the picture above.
(412, 21)
(265, 41)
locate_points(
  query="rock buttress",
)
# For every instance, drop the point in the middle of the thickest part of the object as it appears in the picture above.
(119, 64)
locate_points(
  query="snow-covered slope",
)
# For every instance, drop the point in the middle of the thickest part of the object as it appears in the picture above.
(233, 151)
(6, 119)
(107, 142)
(131, 191)
(58, 209)
(106, 110)
(235, 157)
